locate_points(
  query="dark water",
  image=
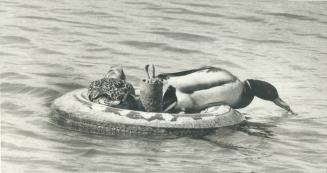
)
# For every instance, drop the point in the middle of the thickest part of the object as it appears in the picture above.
(48, 48)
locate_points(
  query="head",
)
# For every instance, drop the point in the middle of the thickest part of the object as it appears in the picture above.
(116, 72)
(267, 91)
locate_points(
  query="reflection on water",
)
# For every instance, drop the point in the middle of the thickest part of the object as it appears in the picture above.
(48, 48)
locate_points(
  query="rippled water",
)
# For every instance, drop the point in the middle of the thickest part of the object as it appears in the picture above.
(48, 48)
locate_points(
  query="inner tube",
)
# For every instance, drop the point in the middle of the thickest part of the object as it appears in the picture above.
(75, 111)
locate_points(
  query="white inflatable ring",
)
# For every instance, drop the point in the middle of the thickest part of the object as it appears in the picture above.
(75, 111)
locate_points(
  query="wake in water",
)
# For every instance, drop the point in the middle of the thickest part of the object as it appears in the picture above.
(236, 137)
